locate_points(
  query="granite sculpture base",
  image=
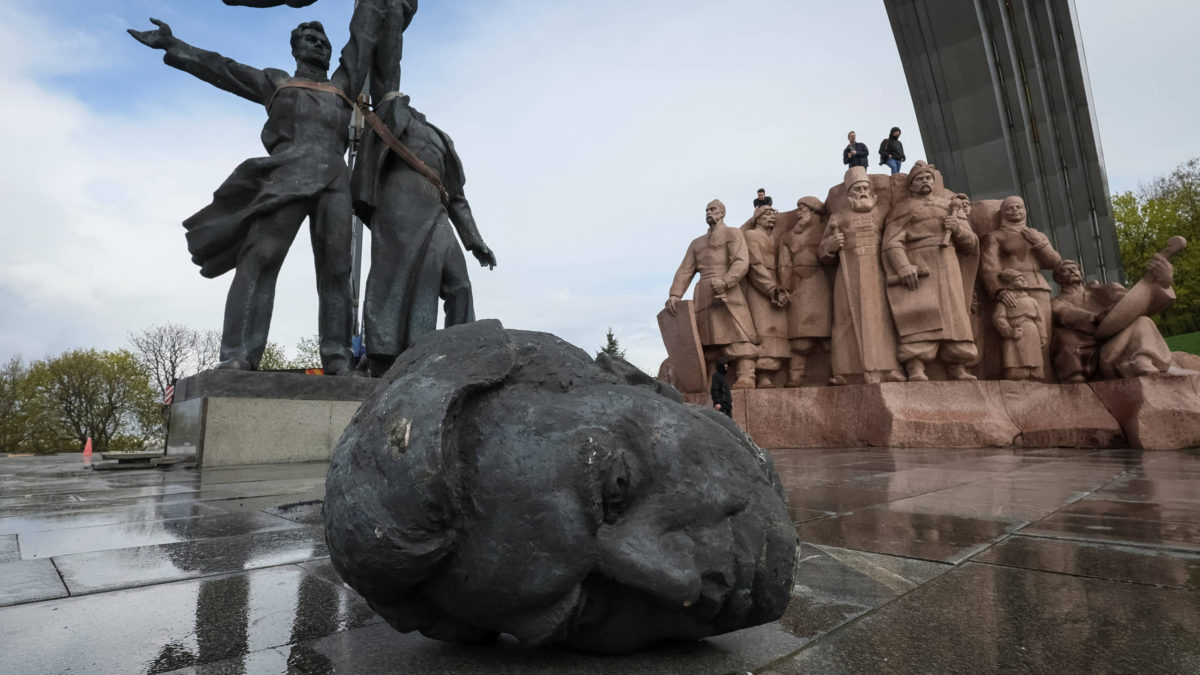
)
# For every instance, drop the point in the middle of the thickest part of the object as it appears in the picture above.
(1151, 413)
(231, 418)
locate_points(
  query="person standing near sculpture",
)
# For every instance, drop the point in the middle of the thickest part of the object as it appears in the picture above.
(722, 315)
(891, 151)
(408, 188)
(922, 244)
(863, 337)
(258, 210)
(802, 277)
(765, 297)
(1022, 329)
(1015, 245)
(719, 387)
(856, 153)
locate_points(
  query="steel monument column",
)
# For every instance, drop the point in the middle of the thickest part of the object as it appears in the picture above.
(1004, 103)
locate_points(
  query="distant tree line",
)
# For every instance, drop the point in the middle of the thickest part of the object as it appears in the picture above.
(113, 397)
(1146, 218)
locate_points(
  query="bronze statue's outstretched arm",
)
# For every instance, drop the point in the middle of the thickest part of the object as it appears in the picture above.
(220, 71)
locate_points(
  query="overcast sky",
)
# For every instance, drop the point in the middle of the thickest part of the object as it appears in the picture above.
(592, 134)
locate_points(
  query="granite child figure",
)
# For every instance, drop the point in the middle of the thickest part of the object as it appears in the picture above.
(1020, 324)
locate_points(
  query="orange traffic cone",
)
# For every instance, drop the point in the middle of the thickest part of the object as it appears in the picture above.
(87, 451)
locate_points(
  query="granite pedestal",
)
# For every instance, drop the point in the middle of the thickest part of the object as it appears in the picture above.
(1160, 412)
(231, 418)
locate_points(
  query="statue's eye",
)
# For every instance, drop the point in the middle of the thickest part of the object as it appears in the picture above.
(615, 493)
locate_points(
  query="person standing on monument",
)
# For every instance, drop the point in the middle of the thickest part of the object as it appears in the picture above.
(410, 192)
(922, 244)
(802, 277)
(856, 153)
(763, 199)
(256, 213)
(765, 297)
(722, 315)
(863, 337)
(891, 151)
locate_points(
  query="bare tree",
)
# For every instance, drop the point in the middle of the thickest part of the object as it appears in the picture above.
(208, 349)
(174, 351)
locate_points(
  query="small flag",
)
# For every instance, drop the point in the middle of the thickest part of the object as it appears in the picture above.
(169, 395)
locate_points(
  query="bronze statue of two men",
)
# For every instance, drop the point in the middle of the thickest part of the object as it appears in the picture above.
(410, 201)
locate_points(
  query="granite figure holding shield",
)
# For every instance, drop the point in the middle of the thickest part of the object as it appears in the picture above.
(257, 211)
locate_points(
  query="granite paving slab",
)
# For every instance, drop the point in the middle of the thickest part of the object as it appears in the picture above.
(29, 581)
(9, 551)
(128, 567)
(832, 499)
(115, 494)
(835, 585)
(247, 474)
(1123, 530)
(147, 533)
(380, 649)
(170, 626)
(1133, 488)
(103, 515)
(1184, 512)
(309, 512)
(989, 619)
(912, 481)
(236, 504)
(1161, 567)
(928, 536)
(264, 662)
(215, 493)
(950, 503)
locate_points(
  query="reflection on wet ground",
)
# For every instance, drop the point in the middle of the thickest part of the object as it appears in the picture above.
(911, 561)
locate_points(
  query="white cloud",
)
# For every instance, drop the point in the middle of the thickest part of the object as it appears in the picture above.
(592, 134)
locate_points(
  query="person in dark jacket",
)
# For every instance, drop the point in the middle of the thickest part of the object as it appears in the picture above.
(891, 151)
(763, 199)
(855, 154)
(722, 398)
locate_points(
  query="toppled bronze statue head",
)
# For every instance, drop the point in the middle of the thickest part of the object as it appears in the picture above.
(502, 482)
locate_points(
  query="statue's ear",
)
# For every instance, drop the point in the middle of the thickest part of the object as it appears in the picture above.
(402, 518)
(421, 394)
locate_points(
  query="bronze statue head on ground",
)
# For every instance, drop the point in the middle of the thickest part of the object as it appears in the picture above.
(502, 482)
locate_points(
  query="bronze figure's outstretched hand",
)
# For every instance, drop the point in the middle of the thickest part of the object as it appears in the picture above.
(161, 38)
(485, 256)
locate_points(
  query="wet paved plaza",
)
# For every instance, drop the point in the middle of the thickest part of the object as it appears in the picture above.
(932, 561)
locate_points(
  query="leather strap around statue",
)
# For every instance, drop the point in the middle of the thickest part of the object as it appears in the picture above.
(378, 126)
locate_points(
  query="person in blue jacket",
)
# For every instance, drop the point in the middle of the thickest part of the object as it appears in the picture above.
(855, 154)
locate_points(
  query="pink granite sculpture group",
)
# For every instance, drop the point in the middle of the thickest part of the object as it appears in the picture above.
(896, 278)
